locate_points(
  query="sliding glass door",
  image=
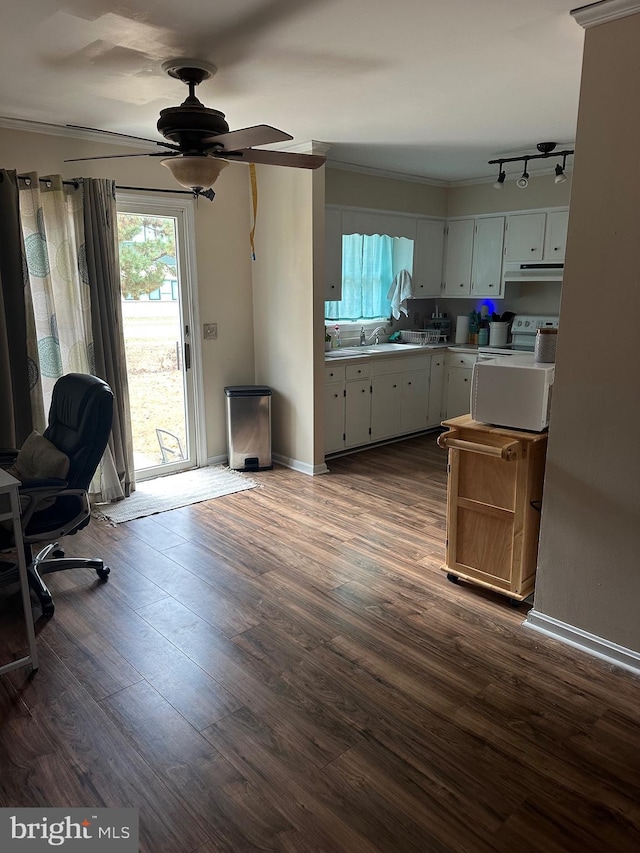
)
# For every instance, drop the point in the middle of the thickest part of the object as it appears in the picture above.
(159, 315)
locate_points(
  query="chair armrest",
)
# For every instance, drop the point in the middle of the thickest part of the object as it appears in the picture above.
(66, 524)
(48, 483)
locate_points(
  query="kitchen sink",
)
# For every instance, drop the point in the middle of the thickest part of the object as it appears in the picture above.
(369, 348)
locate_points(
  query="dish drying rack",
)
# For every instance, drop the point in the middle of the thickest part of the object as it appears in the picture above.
(423, 336)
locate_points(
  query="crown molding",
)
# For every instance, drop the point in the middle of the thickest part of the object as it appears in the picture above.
(604, 11)
(384, 173)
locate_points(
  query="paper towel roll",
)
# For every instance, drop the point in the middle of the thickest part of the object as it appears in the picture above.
(462, 329)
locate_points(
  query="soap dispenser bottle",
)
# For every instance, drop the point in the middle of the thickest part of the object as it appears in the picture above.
(363, 337)
(336, 337)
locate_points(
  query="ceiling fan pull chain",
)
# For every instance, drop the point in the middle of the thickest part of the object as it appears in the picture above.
(254, 198)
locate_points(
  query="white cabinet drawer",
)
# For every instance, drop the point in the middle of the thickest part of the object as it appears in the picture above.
(399, 364)
(460, 359)
(358, 371)
(334, 374)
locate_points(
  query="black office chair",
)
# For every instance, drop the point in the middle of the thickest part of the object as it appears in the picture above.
(80, 419)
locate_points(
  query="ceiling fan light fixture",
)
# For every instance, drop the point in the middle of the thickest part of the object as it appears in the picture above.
(195, 172)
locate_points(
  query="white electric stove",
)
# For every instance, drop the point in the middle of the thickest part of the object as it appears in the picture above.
(523, 336)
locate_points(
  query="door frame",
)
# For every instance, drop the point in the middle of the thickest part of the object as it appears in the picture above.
(183, 209)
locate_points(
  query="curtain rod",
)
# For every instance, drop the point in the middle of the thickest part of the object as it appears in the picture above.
(75, 185)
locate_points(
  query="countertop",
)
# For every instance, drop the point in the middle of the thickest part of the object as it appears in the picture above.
(392, 350)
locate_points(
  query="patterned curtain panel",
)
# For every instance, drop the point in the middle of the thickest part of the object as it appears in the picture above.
(21, 404)
(50, 213)
(66, 291)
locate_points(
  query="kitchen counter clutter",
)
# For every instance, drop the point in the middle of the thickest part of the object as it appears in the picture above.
(494, 498)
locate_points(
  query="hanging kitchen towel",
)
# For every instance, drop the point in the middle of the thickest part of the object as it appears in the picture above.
(401, 289)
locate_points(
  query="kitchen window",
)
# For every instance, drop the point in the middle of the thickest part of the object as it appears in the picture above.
(370, 263)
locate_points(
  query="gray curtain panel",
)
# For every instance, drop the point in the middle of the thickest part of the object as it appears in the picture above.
(19, 372)
(101, 245)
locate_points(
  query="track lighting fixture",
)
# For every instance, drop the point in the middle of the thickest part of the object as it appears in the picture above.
(560, 177)
(523, 180)
(546, 150)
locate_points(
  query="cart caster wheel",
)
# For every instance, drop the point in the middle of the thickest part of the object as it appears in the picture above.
(103, 573)
(452, 578)
(57, 553)
(48, 609)
(514, 603)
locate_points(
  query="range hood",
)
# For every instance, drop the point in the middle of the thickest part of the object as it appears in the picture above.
(531, 271)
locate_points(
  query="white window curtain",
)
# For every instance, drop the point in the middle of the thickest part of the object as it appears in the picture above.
(52, 218)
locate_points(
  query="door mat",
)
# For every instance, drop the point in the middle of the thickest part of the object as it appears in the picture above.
(174, 491)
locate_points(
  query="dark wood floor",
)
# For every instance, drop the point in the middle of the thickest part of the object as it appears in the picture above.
(287, 669)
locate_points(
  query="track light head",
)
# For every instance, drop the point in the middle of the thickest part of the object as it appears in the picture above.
(500, 180)
(560, 177)
(523, 180)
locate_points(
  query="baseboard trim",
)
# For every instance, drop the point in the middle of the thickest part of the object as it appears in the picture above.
(223, 459)
(583, 640)
(302, 467)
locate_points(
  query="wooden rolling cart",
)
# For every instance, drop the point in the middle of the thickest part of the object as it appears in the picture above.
(494, 497)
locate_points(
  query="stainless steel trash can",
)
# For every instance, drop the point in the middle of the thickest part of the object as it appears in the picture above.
(249, 427)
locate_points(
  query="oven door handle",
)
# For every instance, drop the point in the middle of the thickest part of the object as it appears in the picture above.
(510, 451)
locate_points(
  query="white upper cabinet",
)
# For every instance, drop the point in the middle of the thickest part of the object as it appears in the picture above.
(333, 254)
(486, 276)
(525, 236)
(555, 236)
(428, 258)
(457, 270)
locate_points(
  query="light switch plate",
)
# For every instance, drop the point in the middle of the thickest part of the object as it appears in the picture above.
(210, 331)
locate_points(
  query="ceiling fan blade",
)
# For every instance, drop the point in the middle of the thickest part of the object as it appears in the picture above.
(116, 156)
(246, 137)
(123, 135)
(275, 158)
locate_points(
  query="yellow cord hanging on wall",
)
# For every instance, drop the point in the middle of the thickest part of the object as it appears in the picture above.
(254, 196)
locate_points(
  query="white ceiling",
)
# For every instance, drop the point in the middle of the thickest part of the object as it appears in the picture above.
(417, 87)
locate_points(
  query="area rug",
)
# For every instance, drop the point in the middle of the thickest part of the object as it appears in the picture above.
(174, 491)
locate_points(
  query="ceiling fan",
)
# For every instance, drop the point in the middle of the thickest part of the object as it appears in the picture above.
(199, 143)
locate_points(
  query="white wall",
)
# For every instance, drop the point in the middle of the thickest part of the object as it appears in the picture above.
(284, 320)
(357, 189)
(223, 255)
(589, 559)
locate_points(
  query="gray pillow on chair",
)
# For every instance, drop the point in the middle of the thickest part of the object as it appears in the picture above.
(39, 459)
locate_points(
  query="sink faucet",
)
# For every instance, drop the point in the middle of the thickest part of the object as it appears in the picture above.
(376, 333)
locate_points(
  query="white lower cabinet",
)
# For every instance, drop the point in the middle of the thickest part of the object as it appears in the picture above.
(414, 403)
(334, 408)
(357, 413)
(435, 413)
(386, 393)
(459, 369)
(382, 398)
